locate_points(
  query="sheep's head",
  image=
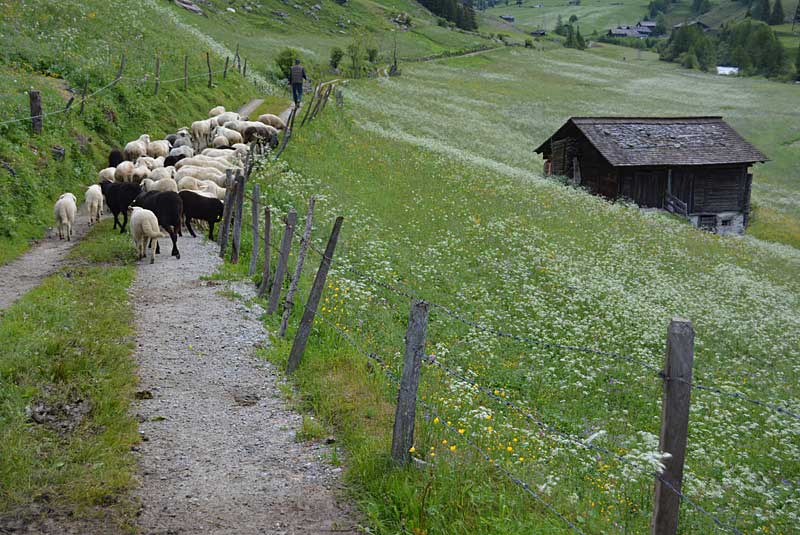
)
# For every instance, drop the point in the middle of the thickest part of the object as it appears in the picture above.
(144, 138)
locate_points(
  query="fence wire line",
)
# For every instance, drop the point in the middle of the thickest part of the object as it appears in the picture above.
(584, 444)
(550, 345)
(514, 479)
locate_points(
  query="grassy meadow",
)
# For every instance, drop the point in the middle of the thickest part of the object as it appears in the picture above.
(441, 193)
(66, 347)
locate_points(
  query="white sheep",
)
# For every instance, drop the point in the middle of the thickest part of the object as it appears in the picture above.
(137, 148)
(140, 172)
(272, 120)
(216, 111)
(223, 118)
(241, 148)
(65, 208)
(201, 130)
(212, 189)
(219, 141)
(106, 175)
(144, 228)
(147, 184)
(165, 184)
(190, 183)
(201, 173)
(158, 148)
(231, 135)
(230, 155)
(124, 172)
(150, 162)
(185, 151)
(162, 172)
(205, 161)
(94, 203)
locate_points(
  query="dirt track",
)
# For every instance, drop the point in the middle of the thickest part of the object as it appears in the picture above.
(219, 453)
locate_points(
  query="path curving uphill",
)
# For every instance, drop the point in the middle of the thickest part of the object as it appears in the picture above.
(218, 451)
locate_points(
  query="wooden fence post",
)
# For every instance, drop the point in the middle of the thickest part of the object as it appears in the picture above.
(69, 104)
(225, 70)
(83, 97)
(208, 62)
(237, 59)
(264, 286)
(158, 74)
(283, 260)
(36, 110)
(224, 226)
(298, 268)
(121, 68)
(244, 71)
(186, 72)
(406, 412)
(287, 133)
(674, 425)
(301, 338)
(254, 220)
(238, 218)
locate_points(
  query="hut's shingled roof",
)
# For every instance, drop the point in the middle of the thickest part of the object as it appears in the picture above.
(652, 141)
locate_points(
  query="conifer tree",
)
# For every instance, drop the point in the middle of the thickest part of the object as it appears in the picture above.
(777, 16)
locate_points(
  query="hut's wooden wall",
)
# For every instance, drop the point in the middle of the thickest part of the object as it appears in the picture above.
(712, 189)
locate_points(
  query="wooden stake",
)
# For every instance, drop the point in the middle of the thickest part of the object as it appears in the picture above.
(298, 268)
(83, 97)
(254, 220)
(301, 338)
(244, 71)
(262, 289)
(121, 68)
(208, 62)
(224, 226)
(674, 425)
(185, 72)
(238, 218)
(69, 104)
(225, 70)
(283, 260)
(158, 74)
(287, 134)
(36, 111)
(406, 413)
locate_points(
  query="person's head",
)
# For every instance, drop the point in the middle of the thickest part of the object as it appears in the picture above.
(297, 61)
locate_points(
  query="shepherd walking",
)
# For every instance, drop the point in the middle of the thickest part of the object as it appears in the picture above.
(297, 76)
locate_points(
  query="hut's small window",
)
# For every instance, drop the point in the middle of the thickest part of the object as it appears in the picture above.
(726, 222)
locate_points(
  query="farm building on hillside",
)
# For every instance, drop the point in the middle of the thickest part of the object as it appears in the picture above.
(697, 167)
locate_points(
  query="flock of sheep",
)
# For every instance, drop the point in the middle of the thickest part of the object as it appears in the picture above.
(169, 182)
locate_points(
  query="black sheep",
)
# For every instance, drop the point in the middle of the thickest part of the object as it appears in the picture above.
(171, 139)
(119, 195)
(115, 158)
(197, 206)
(172, 160)
(168, 207)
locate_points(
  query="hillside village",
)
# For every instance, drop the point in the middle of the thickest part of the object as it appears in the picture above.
(419, 267)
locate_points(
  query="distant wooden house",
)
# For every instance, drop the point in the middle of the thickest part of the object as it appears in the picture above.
(539, 33)
(697, 167)
(702, 25)
(507, 18)
(627, 31)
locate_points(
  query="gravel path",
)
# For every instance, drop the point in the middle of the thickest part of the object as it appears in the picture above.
(218, 451)
(250, 107)
(41, 260)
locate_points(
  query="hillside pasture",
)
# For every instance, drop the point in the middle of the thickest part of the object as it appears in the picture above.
(442, 195)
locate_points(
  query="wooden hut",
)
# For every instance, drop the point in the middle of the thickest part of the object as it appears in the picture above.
(697, 167)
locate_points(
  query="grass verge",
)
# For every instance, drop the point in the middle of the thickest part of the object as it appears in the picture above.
(66, 379)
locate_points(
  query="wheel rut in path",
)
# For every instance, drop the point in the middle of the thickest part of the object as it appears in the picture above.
(218, 451)
(45, 257)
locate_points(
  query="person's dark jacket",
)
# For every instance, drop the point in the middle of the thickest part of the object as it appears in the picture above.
(298, 74)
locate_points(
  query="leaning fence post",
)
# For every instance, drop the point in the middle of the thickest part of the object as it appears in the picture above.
(121, 68)
(254, 220)
(225, 70)
(262, 289)
(224, 226)
(158, 74)
(674, 425)
(208, 62)
(301, 338)
(238, 218)
(186, 72)
(283, 260)
(83, 97)
(36, 110)
(406, 413)
(298, 268)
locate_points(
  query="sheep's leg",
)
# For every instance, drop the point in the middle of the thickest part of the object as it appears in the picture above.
(211, 230)
(189, 227)
(172, 234)
(158, 249)
(152, 251)
(124, 221)
(116, 222)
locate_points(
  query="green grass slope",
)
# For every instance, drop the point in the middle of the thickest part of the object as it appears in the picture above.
(262, 32)
(435, 176)
(57, 48)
